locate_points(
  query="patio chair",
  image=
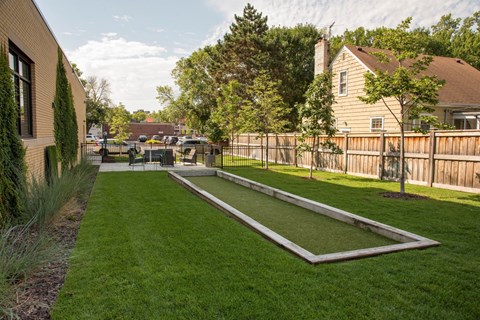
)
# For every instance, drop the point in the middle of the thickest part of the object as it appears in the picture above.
(190, 157)
(134, 158)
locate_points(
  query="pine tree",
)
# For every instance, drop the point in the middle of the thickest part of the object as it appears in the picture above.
(243, 52)
(12, 153)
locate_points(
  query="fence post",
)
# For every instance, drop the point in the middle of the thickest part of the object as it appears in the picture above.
(431, 159)
(261, 151)
(276, 148)
(345, 154)
(222, 154)
(381, 158)
(295, 149)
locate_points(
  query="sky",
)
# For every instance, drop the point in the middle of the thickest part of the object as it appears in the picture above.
(134, 44)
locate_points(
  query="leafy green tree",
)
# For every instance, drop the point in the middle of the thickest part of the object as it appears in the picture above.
(292, 52)
(266, 112)
(65, 126)
(174, 111)
(98, 100)
(227, 114)
(119, 122)
(12, 153)
(317, 115)
(139, 116)
(79, 74)
(197, 97)
(449, 37)
(465, 43)
(214, 132)
(413, 93)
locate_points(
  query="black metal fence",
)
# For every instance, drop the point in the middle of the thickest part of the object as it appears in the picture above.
(258, 156)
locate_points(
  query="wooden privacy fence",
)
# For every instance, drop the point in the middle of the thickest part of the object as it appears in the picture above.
(446, 159)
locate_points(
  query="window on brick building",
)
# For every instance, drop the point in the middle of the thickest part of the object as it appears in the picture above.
(20, 65)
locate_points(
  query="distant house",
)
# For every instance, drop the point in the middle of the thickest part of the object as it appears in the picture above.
(459, 99)
(32, 52)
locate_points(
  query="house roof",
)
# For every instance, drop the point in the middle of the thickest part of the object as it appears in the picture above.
(462, 81)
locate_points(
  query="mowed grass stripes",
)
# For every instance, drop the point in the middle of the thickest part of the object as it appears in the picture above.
(148, 249)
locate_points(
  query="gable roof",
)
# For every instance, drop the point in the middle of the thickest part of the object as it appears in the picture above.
(462, 81)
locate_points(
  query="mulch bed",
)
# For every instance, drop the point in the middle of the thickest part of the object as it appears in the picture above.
(36, 295)
(403, 196)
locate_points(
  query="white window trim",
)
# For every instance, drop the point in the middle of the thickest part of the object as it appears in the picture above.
(376, 129)
(467, 116)
(346, 83)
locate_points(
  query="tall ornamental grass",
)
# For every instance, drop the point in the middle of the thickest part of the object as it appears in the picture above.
(25, 243)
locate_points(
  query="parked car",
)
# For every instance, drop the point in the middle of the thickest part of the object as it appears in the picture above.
(114, 147)
(90, 138)
(172, 140)
(200, 145)
(142, 138)
(156, 139)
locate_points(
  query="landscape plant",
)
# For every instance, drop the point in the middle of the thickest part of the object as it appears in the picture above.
(266, 112)
(12, 153)
(26, 243)
(413, 92)
(228, 111)
(316, 117)
(65, 122)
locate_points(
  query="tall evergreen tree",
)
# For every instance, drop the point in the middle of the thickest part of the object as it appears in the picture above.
(73, 126)
(65, 123)
(243, 52)
(12, 153)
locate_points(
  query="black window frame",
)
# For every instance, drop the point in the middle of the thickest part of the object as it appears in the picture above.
(21, 58)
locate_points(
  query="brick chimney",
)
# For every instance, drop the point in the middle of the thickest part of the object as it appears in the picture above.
(321, 56)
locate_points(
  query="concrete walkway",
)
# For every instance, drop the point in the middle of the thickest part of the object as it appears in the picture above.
(123, 166)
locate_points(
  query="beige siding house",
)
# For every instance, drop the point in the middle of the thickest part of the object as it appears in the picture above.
(32, 51)
(459, 99)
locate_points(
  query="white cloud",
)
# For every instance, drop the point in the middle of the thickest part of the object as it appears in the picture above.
(109, 34)
(122, 18)
(180, 51)
(134, 69)
(347, 14)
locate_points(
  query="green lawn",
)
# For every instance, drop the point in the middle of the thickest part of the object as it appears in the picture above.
(317, 233)
(148, 249)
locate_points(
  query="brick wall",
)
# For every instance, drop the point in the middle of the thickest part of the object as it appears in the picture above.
(22, 24)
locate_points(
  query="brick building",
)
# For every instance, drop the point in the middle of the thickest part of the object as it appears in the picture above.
(32, 52)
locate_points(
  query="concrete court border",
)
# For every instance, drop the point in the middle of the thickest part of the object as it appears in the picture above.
(408, 240)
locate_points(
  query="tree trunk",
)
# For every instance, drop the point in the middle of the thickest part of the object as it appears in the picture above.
(312, 156)
(266, 153)
(402, 160)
